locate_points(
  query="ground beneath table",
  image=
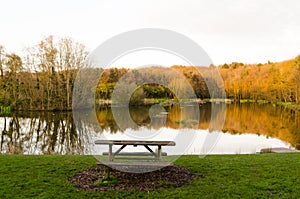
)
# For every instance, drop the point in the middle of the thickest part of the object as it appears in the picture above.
(97, 179)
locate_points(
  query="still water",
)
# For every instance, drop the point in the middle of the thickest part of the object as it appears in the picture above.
(196, 129)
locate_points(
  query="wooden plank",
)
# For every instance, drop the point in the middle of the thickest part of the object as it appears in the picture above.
(135, 154)
(136, 142)
(143, 164)
(135, 158)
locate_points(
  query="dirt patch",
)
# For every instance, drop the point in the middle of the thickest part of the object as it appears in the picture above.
(97, 179)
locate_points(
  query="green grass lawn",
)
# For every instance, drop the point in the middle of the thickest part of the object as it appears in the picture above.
(218, 176)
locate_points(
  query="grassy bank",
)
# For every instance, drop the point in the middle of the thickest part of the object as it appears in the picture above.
(226, 176)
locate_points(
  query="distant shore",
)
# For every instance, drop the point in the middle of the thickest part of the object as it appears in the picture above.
(168, 102)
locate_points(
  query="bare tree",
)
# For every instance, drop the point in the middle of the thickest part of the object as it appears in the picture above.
(71, 57)
(53, 65)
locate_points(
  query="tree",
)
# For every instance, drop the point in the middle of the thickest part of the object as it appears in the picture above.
(1, 60)
(296, 78)
(14, 65)
(55, 64)
(137, 98)
(181, 88)
(72, 56)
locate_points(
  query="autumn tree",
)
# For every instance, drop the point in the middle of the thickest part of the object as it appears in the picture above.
(14, 66)
(296, 78)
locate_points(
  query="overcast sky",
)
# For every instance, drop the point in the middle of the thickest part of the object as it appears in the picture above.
(250, 31)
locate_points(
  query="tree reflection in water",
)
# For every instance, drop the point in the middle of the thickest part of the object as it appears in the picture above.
(43, 133)
(59, 133)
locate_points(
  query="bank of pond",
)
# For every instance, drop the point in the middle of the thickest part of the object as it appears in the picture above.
(215, 176)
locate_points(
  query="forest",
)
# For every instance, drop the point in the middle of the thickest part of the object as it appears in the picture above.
(43, 79)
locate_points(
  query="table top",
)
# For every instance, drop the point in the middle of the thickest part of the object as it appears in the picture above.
(136, 142)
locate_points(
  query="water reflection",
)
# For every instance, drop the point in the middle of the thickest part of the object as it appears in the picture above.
(59, 133)
(247, 128)
(43, 133)
(264, 119)
(259, 119)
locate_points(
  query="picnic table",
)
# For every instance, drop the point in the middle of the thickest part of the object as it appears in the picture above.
(146, 143)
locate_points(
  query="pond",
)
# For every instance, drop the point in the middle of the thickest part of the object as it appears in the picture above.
(245, 128)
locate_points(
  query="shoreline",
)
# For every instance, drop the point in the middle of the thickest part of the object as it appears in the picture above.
(102, 103)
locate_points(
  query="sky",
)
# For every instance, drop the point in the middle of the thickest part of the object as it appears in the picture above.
(249, 31)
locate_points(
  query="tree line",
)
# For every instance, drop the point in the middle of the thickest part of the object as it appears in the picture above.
(158, 82)
(276, 82)
(43, 79)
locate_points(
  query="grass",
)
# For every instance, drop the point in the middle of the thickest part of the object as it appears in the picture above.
(165, 101)
(285, 104)
(219, 176)
(247, 101)
(5, 110)
(263, 101)
(107, 180)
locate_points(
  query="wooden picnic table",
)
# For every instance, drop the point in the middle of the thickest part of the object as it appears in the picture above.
(145, 143)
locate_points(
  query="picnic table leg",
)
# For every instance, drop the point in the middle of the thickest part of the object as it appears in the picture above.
(159, 152)
(110, 155)
(119, 150)
(154, 154)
